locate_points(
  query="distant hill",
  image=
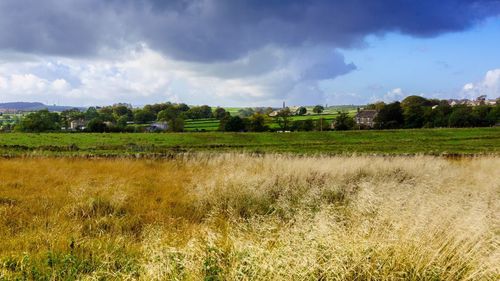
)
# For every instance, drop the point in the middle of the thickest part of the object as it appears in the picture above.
(31, 106)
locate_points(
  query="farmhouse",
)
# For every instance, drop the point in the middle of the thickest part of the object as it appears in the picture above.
(294, 110)
(78, 124)
(366, 117)
(158, 126)
(274, 113)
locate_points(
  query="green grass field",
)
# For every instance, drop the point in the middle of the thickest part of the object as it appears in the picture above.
(389, 142)
(212, 124)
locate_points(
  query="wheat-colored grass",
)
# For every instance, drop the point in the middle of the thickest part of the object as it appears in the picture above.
(241, 217)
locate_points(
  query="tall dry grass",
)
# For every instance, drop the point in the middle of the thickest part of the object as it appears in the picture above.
(239, 217)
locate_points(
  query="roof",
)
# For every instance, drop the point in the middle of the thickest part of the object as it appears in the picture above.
(367, 113)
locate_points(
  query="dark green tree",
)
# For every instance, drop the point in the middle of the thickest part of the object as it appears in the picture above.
(343, 121)
(414, 116)
(481, 116)
(413, 111)
(175, 125)
(461, 116)
(494, 114)
(283, 119)
(40, 121)
(220, 113)
(123, 111)
(302, 110)
(390, 116)
(437, 117)
(322, 124)
(143, 116)
(183, 107)
(96, 125)
(415, 101)
(232, 124)
(258, 123)
(246, 112)
(302, 125)
(91, 113)
(199, 112)
(174, 117)
(69, 115)
(318, 109)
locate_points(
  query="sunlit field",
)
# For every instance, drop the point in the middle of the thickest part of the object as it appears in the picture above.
(450, 141)
(242, 217)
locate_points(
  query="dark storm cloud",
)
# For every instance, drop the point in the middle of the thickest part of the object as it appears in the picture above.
(217, 30)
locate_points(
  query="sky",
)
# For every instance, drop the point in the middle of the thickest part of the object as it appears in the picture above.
(247, 52)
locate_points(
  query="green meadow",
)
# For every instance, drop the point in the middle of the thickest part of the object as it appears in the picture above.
(212, 124)
(387, 142)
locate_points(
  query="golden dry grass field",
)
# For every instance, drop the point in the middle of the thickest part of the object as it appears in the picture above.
(243, 217)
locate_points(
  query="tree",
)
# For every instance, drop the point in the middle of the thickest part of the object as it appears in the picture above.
(283, 118)
(91, 113)
(246, 112)
(415, 101)
(494, 114)
(481, 116)
(318, 109)
(413, 111)
(96, 125)
(183, 107)
(258, 123)
(232, 124)
(69, 115)
(156, 108)
(173, 115)
(106, 114)
(390, 116)
(303, 125)
(143, 116)
(376, 106)
(220, 113)
(461, 116)
(437, 117)
(343, 121)
(302, 110)
(40, 121)
(322, 124)
(171, 112)
(176, 125)
(199, 112)
(121, 123)
(414, 116)
(121, 111)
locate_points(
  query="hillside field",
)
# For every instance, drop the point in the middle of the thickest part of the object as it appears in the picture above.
(387, 142)
(243, 217)
(212, 124)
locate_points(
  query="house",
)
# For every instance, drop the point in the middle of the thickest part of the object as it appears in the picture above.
(274, 113)
(156, 127)
(78, 124)
(481, 100)
(366, 117)
(294, 110)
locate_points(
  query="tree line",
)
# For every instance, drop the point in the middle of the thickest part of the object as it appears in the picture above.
(419, 112)
(115, 118)
(124, 118)
(412, 112)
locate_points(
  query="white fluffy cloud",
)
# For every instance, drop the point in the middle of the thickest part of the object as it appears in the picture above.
(396, 94)
(489, 86)
(141, 75)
